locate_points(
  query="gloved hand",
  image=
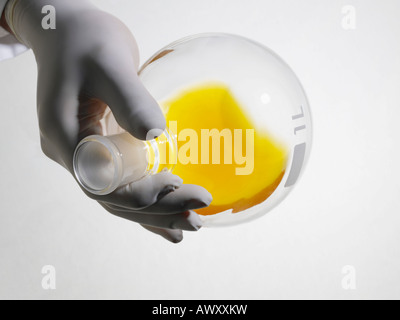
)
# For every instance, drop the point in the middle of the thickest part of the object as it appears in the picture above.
(87, 63)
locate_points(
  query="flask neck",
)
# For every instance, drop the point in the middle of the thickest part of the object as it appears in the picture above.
(162, 153)
(102, 164)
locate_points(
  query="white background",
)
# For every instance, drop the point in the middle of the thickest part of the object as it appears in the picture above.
(345, 210)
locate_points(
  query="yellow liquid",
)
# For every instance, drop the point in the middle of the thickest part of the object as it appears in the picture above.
(213, 106)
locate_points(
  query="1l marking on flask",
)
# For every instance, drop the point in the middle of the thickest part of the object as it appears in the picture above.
(299, 153)
(297, 117)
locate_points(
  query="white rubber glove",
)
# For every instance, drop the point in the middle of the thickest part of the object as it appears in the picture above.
(88, 62)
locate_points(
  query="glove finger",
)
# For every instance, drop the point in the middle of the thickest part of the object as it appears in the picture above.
(118, 85)
(187, 197)
(142, 193)
(174, 236)
(187, 220)
(57, 99)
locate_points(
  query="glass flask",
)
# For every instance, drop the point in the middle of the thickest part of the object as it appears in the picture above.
(255, 80)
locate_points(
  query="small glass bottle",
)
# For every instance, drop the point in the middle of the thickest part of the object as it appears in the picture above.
(104, 163)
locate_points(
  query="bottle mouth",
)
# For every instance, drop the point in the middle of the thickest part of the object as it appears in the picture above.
(98, 165)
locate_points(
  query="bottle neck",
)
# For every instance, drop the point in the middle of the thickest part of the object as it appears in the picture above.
(102, 164)
(162, 153)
